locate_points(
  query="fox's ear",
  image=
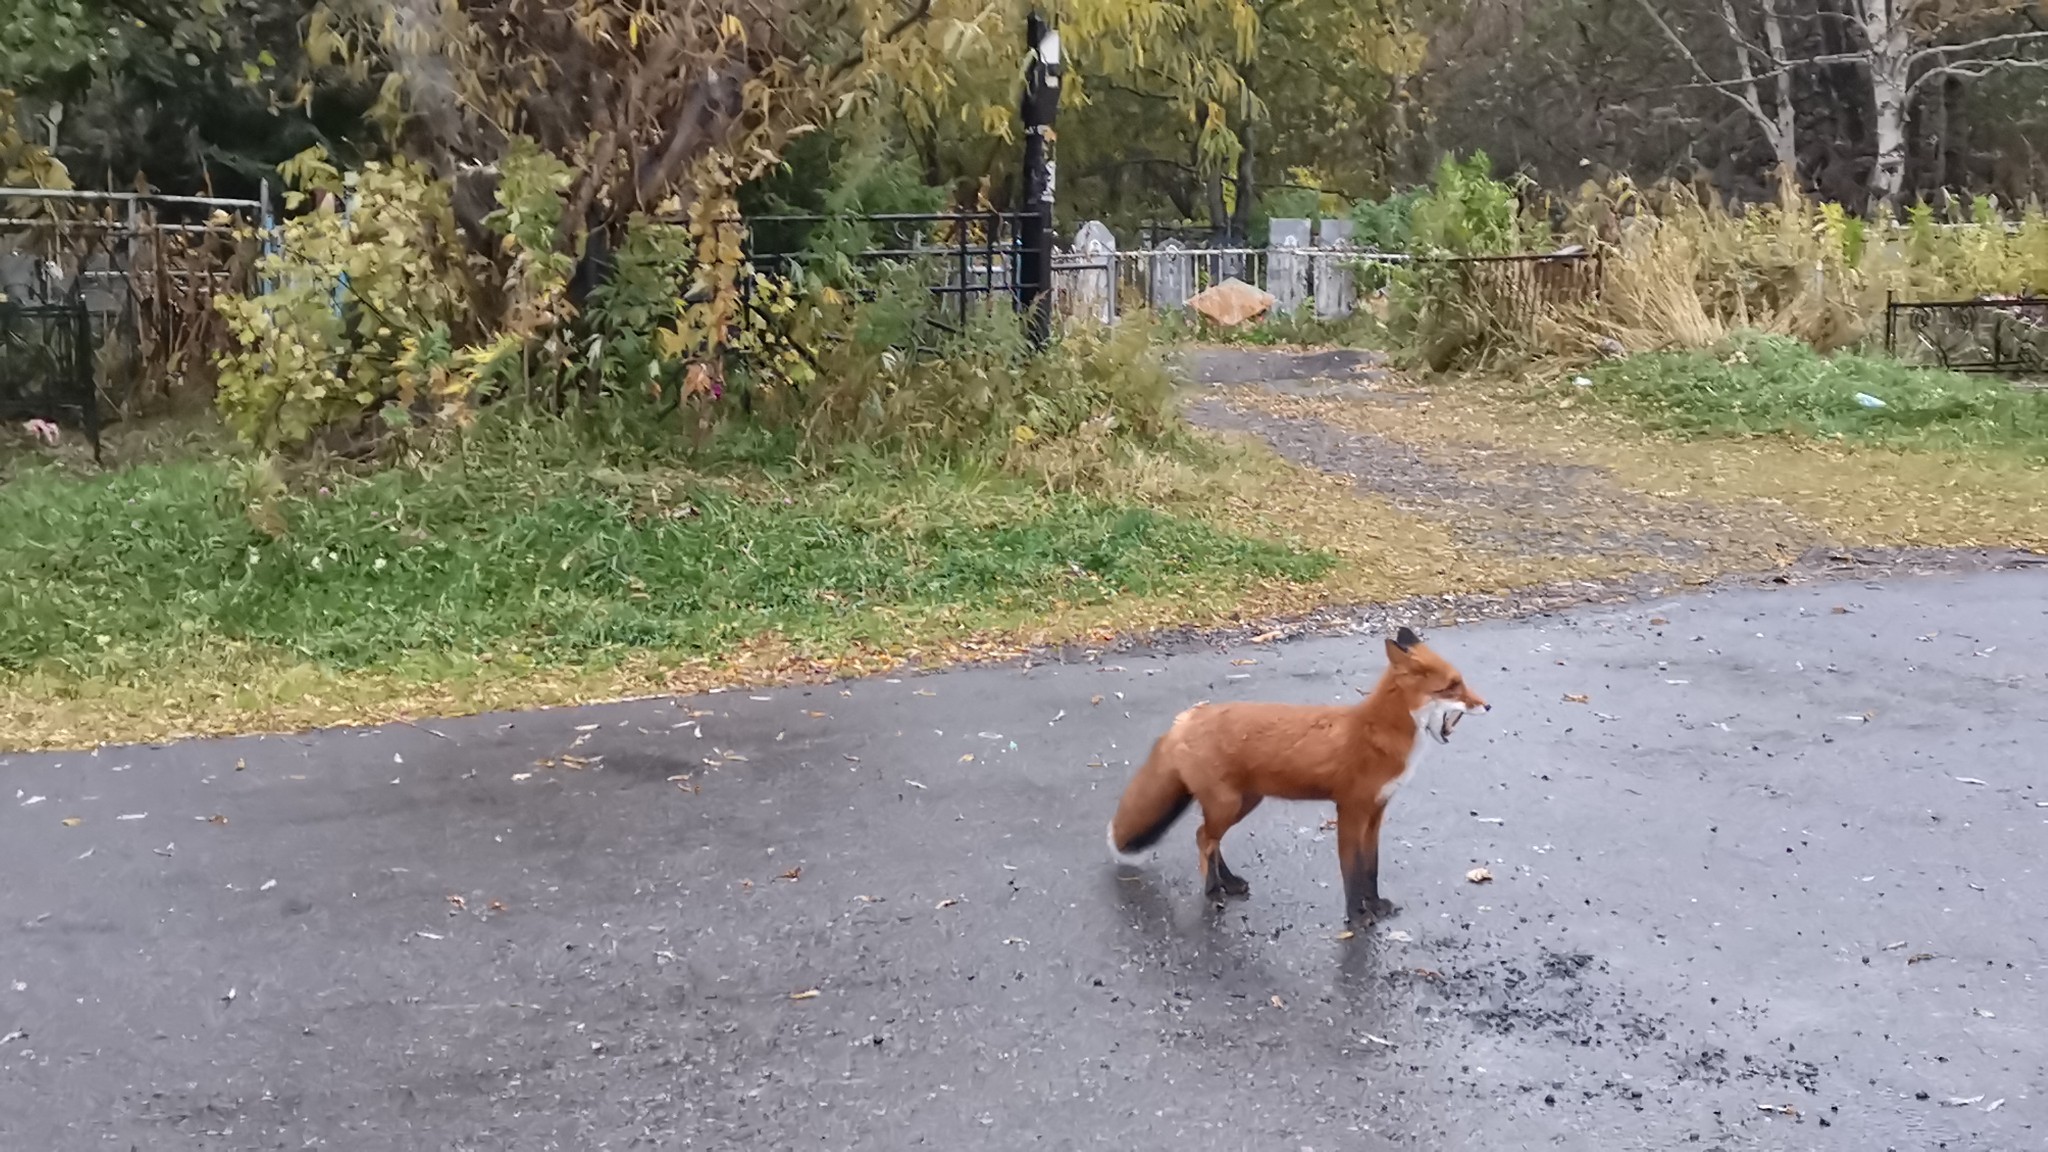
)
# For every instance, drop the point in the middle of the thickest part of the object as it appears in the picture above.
(1400, 648)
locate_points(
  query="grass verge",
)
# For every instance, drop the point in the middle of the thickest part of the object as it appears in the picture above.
(510, 563)
(1756, 384)
(153, 602)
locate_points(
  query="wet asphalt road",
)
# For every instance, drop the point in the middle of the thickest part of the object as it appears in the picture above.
(1781, 857)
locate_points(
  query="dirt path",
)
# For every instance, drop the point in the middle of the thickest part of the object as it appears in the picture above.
(1320, 409)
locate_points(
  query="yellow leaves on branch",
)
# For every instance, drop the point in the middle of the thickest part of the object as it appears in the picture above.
(371, 309)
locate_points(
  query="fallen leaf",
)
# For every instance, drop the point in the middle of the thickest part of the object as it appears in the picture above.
(518, 776)
(916, 784)
(1962, 1101)
(1659, 620)
(132, 816)
(459, 903)
(1329, 824)
(1398, 936)
(966, 758)
(1095, 699)
(240, 766)
(1241, 662)
(1919, 957)
(947, 903)
(816, 715)
(807, 994)
(496, 906)
(1277, 1002)
(1479, 876)
(1895, 945)
(1968, 780)
(266, 886)
(1380, 1040)
(793, 873)
(71, 821)
(1838, 610)
(1781, 1109)
(1576, 698)
(1264, 638)
(1346, 934)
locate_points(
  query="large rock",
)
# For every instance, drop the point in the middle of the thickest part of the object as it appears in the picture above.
(1231, 303)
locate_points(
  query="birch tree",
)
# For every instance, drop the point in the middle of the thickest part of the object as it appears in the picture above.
(1908, 44)
(1754, 62)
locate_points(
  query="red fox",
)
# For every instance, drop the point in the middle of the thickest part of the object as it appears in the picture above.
(1228, 757)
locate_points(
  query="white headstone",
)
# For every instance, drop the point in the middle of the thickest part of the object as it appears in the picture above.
(1094, 277)
(1335, 293)
(1287, 265)
(1173, 276)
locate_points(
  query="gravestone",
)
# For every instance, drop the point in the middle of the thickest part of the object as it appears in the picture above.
(1172, 278)
(1335, 294)
(1094, 272)
(1287, 265)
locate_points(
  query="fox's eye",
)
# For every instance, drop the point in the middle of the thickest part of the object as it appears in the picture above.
(1454, 686)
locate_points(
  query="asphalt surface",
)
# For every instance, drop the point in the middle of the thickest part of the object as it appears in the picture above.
(1781, 857)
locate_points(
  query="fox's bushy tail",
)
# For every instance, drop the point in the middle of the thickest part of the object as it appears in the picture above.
(1153, 800)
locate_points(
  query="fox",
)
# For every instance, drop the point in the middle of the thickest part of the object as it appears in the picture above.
(1228, 757)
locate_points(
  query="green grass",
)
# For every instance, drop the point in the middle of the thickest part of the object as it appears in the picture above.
(1769, 385)
(559, 562)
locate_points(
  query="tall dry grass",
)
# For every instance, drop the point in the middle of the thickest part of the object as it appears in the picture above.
(1683, 271)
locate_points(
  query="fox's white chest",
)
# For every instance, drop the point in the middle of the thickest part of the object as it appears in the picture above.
(1428, 718)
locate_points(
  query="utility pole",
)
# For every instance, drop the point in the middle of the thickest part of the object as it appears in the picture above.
(1034, 221)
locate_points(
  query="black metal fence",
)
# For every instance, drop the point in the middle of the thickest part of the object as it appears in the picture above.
(2002, 335)
(46, 365)
(970, 260)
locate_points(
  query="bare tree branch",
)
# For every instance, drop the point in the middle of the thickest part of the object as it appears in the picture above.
(1986, 42)
(1790, 66)
(1975, 69)
(1733, 89)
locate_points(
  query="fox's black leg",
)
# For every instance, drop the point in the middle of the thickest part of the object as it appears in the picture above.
(1358, 851)
(1228, 882)
(1217, 878)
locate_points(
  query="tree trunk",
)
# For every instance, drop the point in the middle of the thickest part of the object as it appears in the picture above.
(1842, 92)
(1786, 139)
(1247, 184)
(1953, 163)
(1890, 65)
(1219, 216)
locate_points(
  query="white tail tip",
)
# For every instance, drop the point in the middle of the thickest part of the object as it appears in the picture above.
(1115, 852)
